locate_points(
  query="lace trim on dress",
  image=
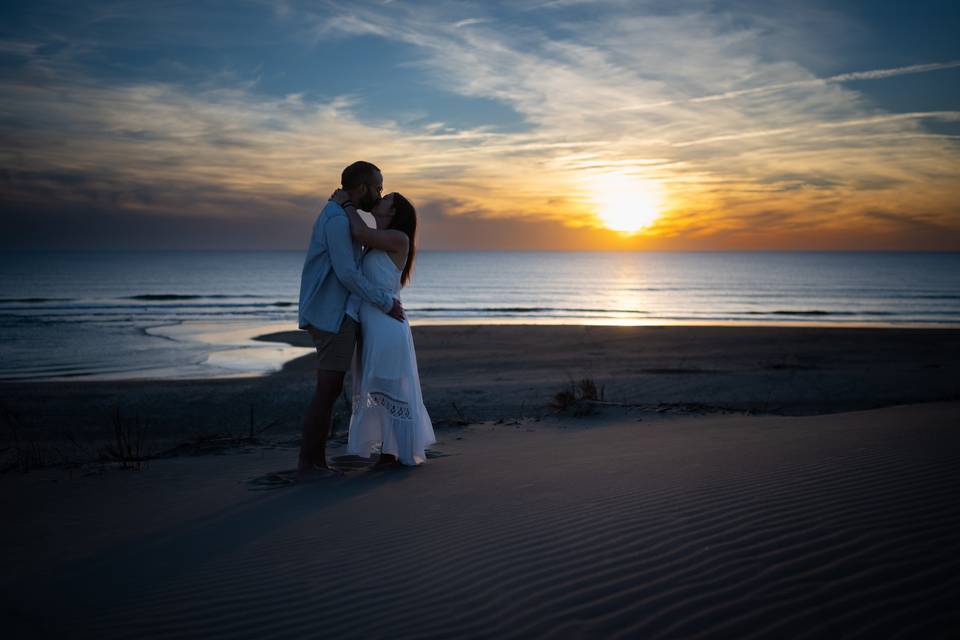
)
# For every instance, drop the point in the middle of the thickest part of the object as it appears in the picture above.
(398, 409)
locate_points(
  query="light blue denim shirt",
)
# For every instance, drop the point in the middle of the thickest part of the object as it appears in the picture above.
(331, 272)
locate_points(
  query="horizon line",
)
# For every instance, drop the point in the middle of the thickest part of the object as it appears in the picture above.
(454, 250)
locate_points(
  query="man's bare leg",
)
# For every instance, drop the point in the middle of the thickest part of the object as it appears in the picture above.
(316, 423)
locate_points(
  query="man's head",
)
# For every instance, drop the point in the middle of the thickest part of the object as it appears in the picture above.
(364, 182)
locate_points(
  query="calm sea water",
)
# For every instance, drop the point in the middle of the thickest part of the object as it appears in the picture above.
(190, 314)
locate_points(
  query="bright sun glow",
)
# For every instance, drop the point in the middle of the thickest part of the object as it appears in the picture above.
(627, 204)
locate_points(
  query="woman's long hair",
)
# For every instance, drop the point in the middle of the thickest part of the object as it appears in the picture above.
(405, 219)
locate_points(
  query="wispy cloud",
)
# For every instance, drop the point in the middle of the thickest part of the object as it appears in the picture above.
(470, 21)
(876, 74)
(750, 150)
(717, 142)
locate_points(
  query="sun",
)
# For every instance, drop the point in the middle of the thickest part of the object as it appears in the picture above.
(626, 204)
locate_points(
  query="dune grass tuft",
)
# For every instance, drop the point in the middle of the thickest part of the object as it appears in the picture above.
(127, 447)
(578, 397)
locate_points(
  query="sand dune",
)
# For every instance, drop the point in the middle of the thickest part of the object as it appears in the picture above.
(723, 526)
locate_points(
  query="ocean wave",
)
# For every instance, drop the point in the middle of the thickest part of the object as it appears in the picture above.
(818, 312)
(135, 308)
(185, 296)
(474, 310)
(32, 300)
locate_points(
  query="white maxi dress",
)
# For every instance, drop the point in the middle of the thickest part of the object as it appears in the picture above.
(388, 412)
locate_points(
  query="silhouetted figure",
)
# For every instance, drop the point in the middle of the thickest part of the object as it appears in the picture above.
(331, 272)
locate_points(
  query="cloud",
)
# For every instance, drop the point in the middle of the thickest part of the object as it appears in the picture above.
(744, 144)
(469, 21)
(876, 74)
(571, 91)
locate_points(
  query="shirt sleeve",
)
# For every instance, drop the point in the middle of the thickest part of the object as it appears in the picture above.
(340, 247)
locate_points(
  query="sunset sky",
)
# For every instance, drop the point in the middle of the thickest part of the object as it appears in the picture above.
(516, 125)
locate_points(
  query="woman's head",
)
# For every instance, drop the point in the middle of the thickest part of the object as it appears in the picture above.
(396, 212)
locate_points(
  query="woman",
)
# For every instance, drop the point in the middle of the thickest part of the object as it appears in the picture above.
(388, 411)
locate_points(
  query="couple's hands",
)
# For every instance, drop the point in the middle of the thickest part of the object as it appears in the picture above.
(396, 312)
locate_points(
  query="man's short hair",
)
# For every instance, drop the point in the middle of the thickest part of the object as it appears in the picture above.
(358, 173)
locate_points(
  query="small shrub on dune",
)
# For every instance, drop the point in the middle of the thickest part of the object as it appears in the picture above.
(127, 447)
(588, 390)
(564, 399)
(578, 397)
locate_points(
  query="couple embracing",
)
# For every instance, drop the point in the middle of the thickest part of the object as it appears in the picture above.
(348, 302)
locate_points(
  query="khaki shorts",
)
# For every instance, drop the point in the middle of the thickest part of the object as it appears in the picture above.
(335, 350)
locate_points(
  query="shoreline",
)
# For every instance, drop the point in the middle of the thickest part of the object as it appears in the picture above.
(238, 349)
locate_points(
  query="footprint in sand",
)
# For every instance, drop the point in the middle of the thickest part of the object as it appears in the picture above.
(273, 480)
(344, 464)
(351, 462)
(288, 478)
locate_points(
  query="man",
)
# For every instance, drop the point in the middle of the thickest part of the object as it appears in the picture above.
(331, 272)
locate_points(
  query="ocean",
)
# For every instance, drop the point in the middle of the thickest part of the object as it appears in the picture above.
(120, 315)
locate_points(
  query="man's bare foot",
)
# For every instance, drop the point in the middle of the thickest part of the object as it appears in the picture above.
(385, 461)
(311, 472)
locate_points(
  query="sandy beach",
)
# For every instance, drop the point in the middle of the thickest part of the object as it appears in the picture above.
(472, 373)
(740, 482)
